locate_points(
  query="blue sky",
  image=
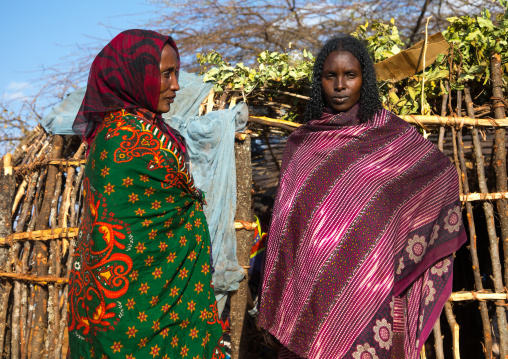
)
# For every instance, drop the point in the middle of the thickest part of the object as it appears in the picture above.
(36, 34)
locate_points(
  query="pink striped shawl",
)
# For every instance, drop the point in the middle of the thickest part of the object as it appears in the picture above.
(360, 252)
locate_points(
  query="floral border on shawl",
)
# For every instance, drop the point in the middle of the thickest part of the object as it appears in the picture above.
(102, 272)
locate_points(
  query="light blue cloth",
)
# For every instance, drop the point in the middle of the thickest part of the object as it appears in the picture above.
(61, 117)
(210, 144)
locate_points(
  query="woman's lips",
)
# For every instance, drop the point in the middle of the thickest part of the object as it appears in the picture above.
(340, 99)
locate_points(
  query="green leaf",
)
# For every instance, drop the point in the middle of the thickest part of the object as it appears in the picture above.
(485, 23)
(411, 92)
(476, 69)
(393, 98)
(485, 13)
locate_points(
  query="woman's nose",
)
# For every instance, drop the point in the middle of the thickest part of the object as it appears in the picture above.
(174, 83)
(339, 83)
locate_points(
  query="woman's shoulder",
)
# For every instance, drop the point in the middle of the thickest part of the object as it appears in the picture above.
(120, 117)
(417, 142)
(117, 122)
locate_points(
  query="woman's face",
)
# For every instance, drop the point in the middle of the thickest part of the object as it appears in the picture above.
(169, 79)
(341, 80)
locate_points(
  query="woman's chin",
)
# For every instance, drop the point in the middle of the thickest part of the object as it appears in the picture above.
(163, 109)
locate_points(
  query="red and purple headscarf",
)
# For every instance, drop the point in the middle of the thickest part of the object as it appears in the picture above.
(124, 75)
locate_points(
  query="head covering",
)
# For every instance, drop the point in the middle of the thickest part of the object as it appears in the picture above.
(124, 75)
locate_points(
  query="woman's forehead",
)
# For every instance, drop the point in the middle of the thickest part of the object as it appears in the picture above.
(341, 57)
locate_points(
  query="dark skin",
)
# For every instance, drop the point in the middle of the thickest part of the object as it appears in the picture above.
(341, 80)
(169, 79)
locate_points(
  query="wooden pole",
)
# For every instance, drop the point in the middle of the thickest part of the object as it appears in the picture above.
(244, 244)
(501, 185)
(481, 296)
(428, 120)
(438, 337)
(454, 327)
(472, 241)
(41, 255)
(7, 192)
(438, 340)
(442, 129)
(25, 213)
(54, 260)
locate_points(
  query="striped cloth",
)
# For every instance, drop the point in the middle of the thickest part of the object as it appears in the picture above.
(360, 251)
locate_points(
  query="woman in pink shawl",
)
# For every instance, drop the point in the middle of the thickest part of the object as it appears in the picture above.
(367, 217)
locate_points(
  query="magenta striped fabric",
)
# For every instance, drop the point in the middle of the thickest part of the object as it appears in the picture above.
(366, 216)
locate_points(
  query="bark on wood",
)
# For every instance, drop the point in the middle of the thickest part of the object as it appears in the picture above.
(7, 190)
(31, 318)
(24, 301)
(15, 324)
(25, 142)
(54, 259)
(476, 295)
(25, 213)
(456, 158)
(41, 254)
(454, 327)
(41, 235)
(26, 210)
(442, 129)
(438, 340)
(53, 223)
(501, 185)
(37, 200)
(428, 120)
(244, 243)
(438, 337)
(66, 196)
(489, 217)
(20, 193)
(63, 314)
(473, 250)
(30, 148)
(74, 194)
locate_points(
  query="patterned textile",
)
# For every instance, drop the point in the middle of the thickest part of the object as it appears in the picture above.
(141, 283)
(366, 219)
(257, 251)
(124, 75)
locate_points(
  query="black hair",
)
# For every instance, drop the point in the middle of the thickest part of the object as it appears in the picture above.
(369, 96)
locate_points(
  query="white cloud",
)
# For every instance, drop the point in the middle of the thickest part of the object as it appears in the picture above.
(18, 95)
(17, 91)
(17, 86)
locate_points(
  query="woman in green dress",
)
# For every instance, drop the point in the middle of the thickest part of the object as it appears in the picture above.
(141, 282)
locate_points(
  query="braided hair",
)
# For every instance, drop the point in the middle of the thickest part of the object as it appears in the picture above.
(369, 96)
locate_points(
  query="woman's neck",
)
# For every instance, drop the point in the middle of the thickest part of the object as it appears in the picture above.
(350, 117)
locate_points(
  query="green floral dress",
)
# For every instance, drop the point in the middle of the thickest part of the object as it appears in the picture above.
(141, 282)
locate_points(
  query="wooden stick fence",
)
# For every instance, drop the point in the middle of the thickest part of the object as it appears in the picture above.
(42, 209)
